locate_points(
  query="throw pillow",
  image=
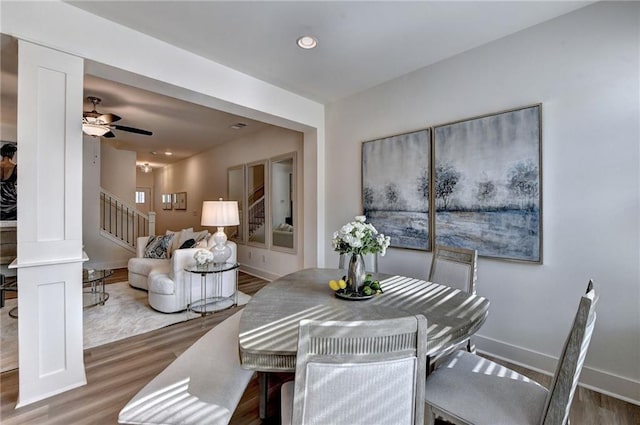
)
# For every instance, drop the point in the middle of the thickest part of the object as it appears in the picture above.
(176, 239)
(158, 247)
(189, 243)
(190, 234)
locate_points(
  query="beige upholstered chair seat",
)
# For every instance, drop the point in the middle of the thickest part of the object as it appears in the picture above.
(469, 389)
(484, 392)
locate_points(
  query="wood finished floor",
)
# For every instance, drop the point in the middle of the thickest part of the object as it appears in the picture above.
(117, 371)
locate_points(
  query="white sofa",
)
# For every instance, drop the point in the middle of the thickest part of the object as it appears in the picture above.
(166, 280)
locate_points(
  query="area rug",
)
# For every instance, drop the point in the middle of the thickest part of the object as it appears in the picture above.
(126, 313)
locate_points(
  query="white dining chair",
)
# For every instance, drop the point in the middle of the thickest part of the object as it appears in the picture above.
(469, 389)
(358, 373)
(457, 268)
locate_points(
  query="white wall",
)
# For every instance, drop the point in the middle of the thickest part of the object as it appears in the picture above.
(118, 172)
(584, 68)
(102, 252)
(204, 177)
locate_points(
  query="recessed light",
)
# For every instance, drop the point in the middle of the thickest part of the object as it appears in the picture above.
(307, 42)
(168, 153)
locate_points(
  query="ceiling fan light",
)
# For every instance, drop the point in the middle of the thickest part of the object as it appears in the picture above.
(95, 130)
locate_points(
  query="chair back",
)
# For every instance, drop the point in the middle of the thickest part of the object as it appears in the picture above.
(455, 267)
(565, 378)
(361, 372)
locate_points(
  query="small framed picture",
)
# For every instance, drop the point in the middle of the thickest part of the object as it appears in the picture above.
(180, 201)
(166, 201)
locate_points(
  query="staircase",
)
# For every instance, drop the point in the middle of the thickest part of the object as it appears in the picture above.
(122, 222)
(256, 211)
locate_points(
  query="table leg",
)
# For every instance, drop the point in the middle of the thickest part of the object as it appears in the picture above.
(263, 381)
(101, 288)
(203, 293)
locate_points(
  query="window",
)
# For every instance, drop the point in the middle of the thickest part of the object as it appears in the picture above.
(139, 197)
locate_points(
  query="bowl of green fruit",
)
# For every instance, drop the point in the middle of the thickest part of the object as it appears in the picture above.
(370, 288)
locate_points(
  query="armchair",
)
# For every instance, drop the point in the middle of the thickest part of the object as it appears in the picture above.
(167, 282)
(169, 292)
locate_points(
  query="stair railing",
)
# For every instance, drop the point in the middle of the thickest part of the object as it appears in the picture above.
(122, 222)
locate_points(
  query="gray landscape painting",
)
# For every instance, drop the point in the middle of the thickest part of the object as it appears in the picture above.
(395, 187)
(487, 185)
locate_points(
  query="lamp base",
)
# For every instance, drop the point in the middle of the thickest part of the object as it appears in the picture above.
(221, 252)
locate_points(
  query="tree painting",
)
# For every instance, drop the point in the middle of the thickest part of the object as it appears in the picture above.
(395, 187)
(446, 180)
(487, 184)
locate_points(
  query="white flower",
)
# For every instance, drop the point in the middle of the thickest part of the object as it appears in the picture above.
(358, 237)
(203, 256)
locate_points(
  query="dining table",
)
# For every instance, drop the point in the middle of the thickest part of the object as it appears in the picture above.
(268, 333)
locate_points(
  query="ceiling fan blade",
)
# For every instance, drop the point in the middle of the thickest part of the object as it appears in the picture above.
(132, 130)
(109, 135)
(109, 118)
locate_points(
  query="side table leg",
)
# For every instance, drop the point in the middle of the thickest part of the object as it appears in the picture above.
(203, 294)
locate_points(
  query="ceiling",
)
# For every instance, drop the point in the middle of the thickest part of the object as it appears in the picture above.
(360, 44)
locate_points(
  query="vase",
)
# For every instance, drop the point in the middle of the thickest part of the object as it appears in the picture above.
(356, 273)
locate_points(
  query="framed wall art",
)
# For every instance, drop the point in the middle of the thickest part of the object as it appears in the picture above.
(395, 187)
(166, 201)
(9, 176)
(180, 201)
(487, 191)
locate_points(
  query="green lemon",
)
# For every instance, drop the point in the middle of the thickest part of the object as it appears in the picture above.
(367, 290)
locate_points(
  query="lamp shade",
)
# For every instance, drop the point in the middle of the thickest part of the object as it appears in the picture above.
(220, 213)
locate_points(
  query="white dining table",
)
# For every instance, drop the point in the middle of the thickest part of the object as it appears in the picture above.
(269, 324)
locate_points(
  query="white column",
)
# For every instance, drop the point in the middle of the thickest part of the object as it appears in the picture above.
(152, 223)
(49, 237)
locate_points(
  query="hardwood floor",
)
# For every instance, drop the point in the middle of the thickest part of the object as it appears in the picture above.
(117, 371)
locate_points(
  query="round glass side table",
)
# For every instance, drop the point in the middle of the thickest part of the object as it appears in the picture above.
(93, 292)
(214, 301)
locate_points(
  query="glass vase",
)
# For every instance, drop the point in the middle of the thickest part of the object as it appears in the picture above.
(356, 273)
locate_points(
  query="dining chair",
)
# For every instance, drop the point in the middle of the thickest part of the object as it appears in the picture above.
(358, 372)
(469, 389)
(457, 268)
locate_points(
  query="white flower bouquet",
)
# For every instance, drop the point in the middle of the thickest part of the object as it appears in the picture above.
(203, 256)
(358, 237)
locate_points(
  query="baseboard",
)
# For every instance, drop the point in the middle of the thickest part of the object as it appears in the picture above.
(598, 380)
(262, 274)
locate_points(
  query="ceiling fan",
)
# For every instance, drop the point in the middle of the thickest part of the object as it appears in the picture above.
(100, 125)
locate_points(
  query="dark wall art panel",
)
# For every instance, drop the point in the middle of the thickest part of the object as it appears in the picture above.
(395, 187)
(487, 191)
